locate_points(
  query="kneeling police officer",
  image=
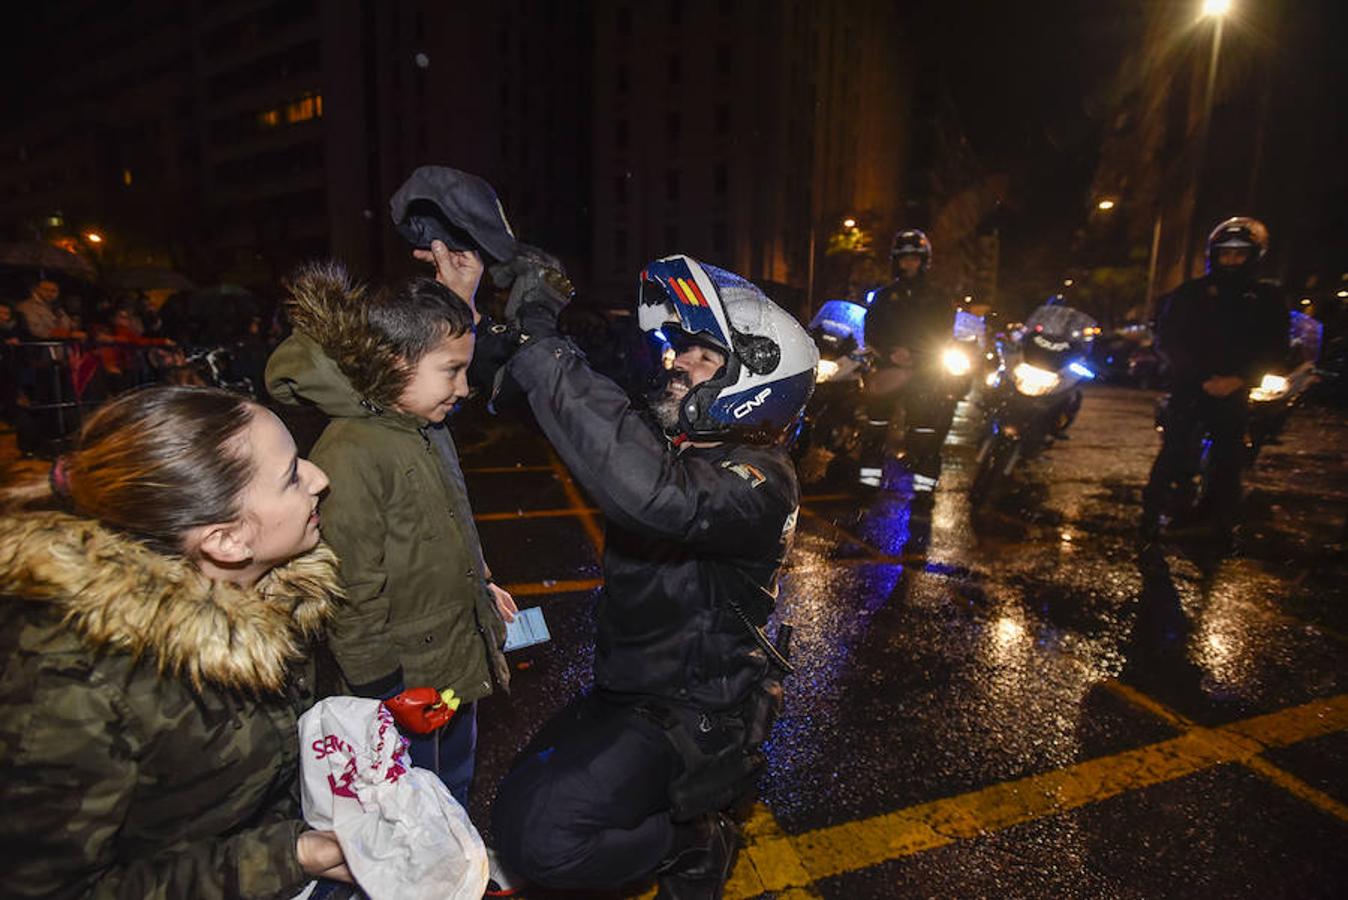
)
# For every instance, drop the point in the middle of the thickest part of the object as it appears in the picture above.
(633, 779)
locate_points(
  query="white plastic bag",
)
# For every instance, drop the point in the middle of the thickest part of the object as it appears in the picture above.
(404, 835)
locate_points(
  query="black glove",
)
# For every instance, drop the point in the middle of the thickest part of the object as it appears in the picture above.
(496, 343)
(539, 291)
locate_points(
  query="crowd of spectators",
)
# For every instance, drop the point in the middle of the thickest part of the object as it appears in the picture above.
(63, 353)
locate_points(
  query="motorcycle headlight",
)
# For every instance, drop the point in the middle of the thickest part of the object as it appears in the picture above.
(826, 369)
(956, 361)
(1033, 381)
(1271, 387)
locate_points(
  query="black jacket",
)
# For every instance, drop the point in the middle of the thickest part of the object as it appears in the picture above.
(912, 314)
(1206, 327)
(685, 530)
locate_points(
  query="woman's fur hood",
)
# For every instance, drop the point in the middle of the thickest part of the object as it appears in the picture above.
(121, 597)
(332, 311)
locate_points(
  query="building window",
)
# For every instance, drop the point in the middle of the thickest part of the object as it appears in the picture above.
(310, 106)
(672, 184)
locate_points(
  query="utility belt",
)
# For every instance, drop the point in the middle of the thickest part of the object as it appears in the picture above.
(720, 751)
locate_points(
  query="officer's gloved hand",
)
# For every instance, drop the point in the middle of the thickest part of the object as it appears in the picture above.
(539, 291)
(422, 710)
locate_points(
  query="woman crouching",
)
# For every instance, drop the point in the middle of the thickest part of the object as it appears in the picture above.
(153, 658)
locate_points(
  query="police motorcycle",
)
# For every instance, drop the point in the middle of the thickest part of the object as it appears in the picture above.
(1270, 404)
(834, 420)
(1278, 393)
(1034, 395)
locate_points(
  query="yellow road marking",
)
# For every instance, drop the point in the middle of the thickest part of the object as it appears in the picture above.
(878, 554)
(534, 588)
(533, 514)
(1282, 778)
(559, 512)
(587, 519)
(779, 862)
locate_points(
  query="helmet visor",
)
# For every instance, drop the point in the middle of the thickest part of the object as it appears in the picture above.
(673, 293)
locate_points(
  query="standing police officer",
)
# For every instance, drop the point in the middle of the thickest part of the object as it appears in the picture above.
(632, 780)
(1218, 335)
(909, 324)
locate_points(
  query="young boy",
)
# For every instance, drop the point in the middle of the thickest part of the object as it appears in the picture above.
(421, 609)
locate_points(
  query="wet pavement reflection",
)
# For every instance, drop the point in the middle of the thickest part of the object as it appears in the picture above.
(1016, 703)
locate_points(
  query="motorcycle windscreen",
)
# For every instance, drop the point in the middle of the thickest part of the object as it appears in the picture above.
(1061, 322)
(841, 319)
(969, 327)
(1305, 335)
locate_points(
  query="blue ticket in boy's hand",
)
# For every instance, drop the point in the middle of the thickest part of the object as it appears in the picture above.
(527, 629)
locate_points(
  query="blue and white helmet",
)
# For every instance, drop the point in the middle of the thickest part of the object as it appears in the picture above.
(770, 359)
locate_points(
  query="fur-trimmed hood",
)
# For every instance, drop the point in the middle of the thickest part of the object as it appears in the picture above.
(334, 359)
(120, 596)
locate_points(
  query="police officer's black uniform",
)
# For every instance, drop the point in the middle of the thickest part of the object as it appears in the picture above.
(911, 313)
(1224, 323)
(588, 804)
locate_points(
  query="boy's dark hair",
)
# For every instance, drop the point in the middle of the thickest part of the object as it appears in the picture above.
(417, 315)
(376, 338)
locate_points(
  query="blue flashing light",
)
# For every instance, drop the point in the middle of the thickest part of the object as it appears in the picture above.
(660, 336)
(1078, 369)
(870, 296)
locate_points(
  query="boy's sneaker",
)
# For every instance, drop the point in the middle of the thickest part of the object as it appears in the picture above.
(500, 883)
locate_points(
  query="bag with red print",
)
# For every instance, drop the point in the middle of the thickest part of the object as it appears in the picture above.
(404, 836)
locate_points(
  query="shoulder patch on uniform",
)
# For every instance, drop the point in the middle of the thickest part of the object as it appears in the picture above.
(751, 474)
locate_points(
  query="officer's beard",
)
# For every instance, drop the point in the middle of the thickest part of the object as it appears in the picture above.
(665, 406)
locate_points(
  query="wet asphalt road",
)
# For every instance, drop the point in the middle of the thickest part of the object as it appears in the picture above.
(1022, 710)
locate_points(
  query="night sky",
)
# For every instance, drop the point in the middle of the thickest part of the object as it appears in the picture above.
(1029, 84)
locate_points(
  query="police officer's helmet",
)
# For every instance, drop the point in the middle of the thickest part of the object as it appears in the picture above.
(1238, 233)
(770, 359)
(911, 241)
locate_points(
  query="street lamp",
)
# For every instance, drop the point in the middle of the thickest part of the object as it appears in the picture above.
(1105, 205)
(1216, 10)
(849, 222)
(93, 237)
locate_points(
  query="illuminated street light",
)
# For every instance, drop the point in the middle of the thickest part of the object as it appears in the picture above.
(1341, 294)
(849, 223)
(94, 237)
(1067, 282)
(1216, 7)
(1105, 205)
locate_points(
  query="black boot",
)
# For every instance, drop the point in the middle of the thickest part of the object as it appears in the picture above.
(701, 861)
